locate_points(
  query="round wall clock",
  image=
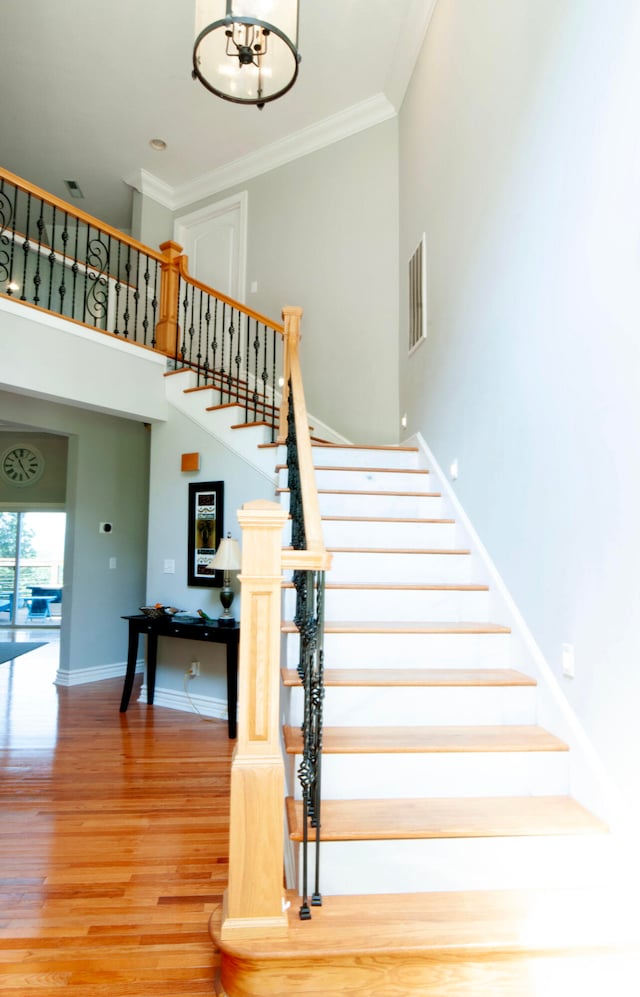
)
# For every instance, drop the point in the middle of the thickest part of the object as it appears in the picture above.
(22, 465)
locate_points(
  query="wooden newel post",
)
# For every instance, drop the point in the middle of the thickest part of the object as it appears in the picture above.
(167, 326)
(253, 903)
(291, 316)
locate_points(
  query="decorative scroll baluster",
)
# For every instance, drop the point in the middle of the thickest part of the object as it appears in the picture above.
(274, 414)
(6, 255)
(238, 356)
(264, 376)
(231, 331)
(222, 370)
(154, 301)
(145, 322)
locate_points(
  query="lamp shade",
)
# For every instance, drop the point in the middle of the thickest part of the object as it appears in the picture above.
(246, 51)
(227, 556)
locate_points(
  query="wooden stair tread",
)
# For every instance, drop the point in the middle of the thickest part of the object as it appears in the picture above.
(462, 817)
(416, 677)
(364, 470)
(366, 446)
(359, 491)
(397, 550)
(451, 924)
(400, 587)
(384, 627)
(386, 519)
(411, 740)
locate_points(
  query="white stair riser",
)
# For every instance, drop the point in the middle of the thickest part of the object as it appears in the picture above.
(498, 863)
(348, 457)
(384, 481)
(385, 506)
(343, 533)
(398, 605)
(438, 775)
(409, 651)
(420, 705)
(375, 506)
(425, 569)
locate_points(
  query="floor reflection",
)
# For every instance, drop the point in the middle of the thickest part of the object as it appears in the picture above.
(28, 695)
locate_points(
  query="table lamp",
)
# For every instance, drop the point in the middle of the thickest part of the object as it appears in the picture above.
(227, 559)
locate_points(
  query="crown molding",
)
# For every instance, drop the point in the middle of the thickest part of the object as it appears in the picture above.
(352, 120)
(410, 43)
(151, 186)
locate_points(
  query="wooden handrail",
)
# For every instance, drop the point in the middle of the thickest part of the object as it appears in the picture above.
(183, 263)
(314, 556)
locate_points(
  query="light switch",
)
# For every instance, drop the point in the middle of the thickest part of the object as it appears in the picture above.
(113, 563)
(169, 566)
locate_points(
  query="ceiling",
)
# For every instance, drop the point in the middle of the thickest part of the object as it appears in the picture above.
(87, 85)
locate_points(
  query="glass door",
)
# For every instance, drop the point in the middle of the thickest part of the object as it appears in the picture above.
(31, 568)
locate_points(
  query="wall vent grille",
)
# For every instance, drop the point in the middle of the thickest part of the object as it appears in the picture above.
(418, 295)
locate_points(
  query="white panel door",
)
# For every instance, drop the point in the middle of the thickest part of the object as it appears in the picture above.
(214, 239)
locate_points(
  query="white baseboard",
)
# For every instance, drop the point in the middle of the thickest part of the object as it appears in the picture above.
(80, 676)
(174, 699)
(590, 783)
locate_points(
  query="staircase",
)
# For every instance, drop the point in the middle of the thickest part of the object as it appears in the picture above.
(447, 823)
(454, 860)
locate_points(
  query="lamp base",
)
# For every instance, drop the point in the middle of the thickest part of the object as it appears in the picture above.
(226, 621)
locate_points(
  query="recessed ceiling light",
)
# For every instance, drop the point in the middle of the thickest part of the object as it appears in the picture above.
(158, 144)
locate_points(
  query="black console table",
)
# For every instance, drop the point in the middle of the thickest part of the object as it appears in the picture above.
(166, 626)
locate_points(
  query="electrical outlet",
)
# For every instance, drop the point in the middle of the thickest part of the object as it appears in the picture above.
(193, 670)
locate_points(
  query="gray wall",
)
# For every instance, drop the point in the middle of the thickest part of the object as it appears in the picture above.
(168, 522)
(50, 490)
(519, 153)
(323, 234)
(107, 480)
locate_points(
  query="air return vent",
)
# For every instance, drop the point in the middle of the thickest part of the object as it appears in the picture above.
(418, 295)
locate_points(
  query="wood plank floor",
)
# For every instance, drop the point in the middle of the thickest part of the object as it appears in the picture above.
(113, 839)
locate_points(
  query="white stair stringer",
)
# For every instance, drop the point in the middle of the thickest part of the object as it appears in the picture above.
(407, 593)
(244, 442)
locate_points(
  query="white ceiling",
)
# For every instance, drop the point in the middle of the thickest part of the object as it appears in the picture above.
(86, 85)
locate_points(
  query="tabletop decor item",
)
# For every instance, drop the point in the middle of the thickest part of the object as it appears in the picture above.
(227, 559)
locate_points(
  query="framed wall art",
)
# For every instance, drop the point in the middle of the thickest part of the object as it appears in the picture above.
(206, 529)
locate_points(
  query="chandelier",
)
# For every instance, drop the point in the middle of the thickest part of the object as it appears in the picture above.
(246, 51)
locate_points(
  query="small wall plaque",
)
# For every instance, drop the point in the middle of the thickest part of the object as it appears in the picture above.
(190, 462)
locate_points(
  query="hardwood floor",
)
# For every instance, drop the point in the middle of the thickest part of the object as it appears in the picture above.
(113, 839)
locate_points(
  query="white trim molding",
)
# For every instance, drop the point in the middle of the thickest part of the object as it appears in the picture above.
(81, 676)
(336, 127)
(173, 699)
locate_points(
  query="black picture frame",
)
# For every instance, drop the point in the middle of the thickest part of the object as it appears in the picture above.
(206, 530)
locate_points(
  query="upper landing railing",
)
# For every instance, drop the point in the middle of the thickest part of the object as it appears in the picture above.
(60, 259)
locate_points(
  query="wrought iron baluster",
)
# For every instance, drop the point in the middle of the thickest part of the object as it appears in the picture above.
(62, 290)
(74, 271)
(274, 409)
(6, 255)
(136, 296)
(231, 331)
(185, 308)
(97, 265)
(192, 329)
(36, 277)
(26, 248)
(222, 370)
(146, 276)
(256, 353)
(265, 374)
(207, 334)
(117, 289)
(52, 257)
(127, 291)
(214, 344)
(247, 387)
(238, 359)
(154, 303)
(199, 353)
